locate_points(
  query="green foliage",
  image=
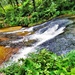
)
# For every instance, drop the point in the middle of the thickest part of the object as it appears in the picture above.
(8, 8)
(1, 12)
(26, 8)
(43, 63)
(24, 21)
(18, 14)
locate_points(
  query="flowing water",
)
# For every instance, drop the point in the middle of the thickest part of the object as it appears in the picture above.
(57, 35)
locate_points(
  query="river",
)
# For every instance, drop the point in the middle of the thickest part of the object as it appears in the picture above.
(56, 35)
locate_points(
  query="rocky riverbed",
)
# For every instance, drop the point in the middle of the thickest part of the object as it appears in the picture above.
(57, 35)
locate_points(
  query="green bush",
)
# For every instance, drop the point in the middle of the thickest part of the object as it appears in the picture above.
(8, 8)
(44, 10)
(26, 8)
(12, 17)
(26, 21)
(43, 63)
(2, 13)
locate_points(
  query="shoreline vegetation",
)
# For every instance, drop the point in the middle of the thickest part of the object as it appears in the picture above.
(29, 13)
(43, 62)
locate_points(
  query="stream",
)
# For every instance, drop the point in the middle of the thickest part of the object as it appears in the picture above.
(57, 35)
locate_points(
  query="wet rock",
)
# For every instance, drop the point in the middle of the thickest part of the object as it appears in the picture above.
(25, 33)
(4, 43)
(30, 42)
(12, 36)
(60, 44)
(6, 52)
(10, 29)
(17, 45)
(3, 39)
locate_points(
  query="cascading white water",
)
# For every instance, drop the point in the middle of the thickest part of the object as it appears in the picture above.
(49, 34)
(42, 33)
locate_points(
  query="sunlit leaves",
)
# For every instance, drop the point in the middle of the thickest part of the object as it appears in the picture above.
(43, 63)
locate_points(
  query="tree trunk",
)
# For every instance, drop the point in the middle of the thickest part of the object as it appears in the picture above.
(34, 5)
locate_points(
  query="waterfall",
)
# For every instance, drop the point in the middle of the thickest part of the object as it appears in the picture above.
(37, 37)
(42, 33)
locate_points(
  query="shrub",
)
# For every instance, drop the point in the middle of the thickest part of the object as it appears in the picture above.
(8, 8)
(44, 10)
(24, 21)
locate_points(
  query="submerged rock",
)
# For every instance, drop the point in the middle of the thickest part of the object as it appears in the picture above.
(30, 42)
(6, 52)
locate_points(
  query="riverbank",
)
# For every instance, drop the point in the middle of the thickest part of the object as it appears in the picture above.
(4, 26)
(25, 15)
